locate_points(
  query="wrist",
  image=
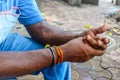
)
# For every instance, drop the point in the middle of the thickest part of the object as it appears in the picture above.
(78, 34)
(66, 55)
(57, 55)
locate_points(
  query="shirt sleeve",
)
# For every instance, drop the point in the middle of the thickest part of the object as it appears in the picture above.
(30, 13)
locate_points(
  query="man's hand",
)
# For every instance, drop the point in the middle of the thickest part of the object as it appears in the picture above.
(78, 51)
(48, 34)
(87, 46)
(94, 32)
(95, 41)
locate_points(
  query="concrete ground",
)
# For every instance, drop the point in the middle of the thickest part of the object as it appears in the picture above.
(60, 14)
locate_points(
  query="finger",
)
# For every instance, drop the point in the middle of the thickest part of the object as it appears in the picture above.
(98, 52)
(105, 40)
(100, 29)
(91, 41)
(97, 38)
(84, 39)
(101, 45)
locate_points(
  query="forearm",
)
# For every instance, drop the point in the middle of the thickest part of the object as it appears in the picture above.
(47, 34)
(13, 64)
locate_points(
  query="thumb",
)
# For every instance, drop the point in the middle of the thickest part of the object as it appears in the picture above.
(99, 52)
(101, 29)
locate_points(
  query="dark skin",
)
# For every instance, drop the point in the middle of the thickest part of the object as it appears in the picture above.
(17, 64)
(47, 34)
(54, 36)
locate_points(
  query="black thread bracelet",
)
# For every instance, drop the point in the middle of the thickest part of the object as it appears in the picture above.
(53, 55)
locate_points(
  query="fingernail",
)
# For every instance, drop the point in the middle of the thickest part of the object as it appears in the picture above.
(106, 41)
(99, 42)
(88, 37)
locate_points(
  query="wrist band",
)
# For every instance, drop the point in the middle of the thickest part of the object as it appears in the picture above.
(53, 56)
(59, 54)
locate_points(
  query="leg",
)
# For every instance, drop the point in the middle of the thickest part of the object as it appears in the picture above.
(72, 2)
(112, 1)
(16, 42)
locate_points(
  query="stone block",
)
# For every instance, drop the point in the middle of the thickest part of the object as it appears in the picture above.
(74, 2)
(93, 2)
(117, 2)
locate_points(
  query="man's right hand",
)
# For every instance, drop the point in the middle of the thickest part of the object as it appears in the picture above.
(96, 42)
(78, 51)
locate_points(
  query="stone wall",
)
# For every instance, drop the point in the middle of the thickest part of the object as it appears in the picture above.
(94, 2)
(74, 2)
(78, 2)
(117, 2)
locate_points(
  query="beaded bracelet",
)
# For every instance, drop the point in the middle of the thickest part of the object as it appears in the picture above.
(53, 55)
(58, 57)
(59, 53)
